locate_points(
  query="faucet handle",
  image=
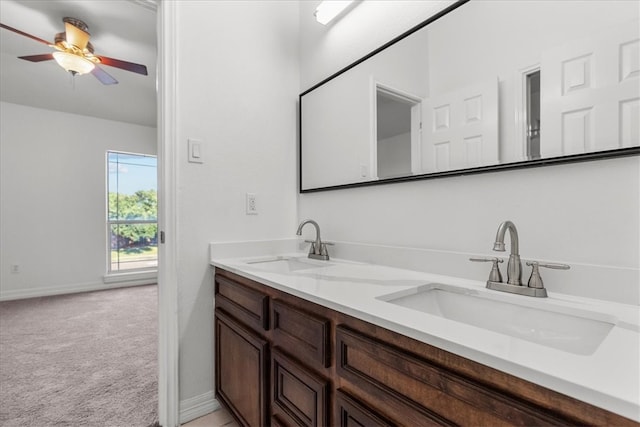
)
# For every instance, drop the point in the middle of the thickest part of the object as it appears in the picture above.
(495, 275)
(323, 242)
(553, 265)
(535, 281)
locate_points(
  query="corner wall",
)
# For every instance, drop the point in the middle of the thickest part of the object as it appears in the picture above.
(578, 213)
(53, 187)
(237, 87)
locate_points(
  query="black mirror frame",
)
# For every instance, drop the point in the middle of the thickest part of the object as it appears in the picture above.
(583, 157)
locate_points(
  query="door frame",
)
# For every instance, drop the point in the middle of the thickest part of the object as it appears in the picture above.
(416, 125)
(168, 336)
(522, 109)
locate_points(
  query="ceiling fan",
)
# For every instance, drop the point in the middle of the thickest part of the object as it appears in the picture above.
(75, 54)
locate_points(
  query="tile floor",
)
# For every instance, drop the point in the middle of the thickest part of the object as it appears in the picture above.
(219, 418)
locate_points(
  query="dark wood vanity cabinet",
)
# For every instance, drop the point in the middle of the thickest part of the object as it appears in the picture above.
(242, 367)
(271, 357)
(284, 361)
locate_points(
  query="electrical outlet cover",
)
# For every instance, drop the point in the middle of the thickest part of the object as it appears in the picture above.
(252, 205)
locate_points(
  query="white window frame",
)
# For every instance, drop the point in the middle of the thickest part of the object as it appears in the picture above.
(114, 274)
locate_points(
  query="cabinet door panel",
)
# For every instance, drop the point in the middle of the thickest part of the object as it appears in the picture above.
(247, 305)
(298, 396)
(419, 384)
(351, 413)
(308, 334)
(241, 370)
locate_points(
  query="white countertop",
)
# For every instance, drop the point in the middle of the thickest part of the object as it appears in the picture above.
(609, 378)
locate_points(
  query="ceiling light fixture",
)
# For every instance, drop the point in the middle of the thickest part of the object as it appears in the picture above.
(328, 10)
(74, 64)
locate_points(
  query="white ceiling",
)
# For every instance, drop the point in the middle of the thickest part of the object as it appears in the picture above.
(121, 29)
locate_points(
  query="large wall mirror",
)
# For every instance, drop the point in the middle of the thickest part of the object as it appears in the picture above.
(485, 85)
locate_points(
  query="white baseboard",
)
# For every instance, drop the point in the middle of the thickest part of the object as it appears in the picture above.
(131, 277)
(198, 406)
(68, 289)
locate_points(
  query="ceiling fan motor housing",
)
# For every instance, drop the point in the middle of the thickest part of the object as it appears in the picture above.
(76, 23)
(61, 42)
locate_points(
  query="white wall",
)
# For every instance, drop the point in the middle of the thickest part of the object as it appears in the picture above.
(370, 24)
(237, 89)
(578, 213)
(394, 156)
(53, 184)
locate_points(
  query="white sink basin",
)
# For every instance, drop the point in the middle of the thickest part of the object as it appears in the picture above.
(285, 264)
(532, 319)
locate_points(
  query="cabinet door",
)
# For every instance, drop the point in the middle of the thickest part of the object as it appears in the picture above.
(352, 413)
(299, 397)
(304, 334)
(241, 361)
(421, 393)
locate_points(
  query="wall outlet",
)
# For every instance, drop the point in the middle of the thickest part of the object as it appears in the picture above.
(15, 268)
(252, 205)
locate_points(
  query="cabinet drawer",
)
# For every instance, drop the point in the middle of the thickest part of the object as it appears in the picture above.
(352, 413)
(417, 384)
(246, 304)
(241, 370)
(299, 397)
(305, 335)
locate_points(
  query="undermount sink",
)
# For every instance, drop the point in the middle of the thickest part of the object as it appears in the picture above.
(553, 325)
(285, 264)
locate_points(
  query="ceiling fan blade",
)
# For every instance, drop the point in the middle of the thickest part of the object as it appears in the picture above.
(129, 66)
(104, 77)
(76, 36)
(37, 58)
(22, 33)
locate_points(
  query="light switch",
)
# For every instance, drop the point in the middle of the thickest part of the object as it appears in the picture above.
(195, 151)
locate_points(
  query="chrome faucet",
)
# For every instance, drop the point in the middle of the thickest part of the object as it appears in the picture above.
(514, 266)
(535, 286)
(318, 248)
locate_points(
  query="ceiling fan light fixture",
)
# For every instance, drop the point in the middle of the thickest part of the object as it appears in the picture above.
(73, 63)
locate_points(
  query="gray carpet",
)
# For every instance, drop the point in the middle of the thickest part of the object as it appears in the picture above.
(86, 359)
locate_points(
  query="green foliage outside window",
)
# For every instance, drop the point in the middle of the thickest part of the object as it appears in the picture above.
(142, 205)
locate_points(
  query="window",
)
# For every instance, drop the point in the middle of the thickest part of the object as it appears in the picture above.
(132, 220)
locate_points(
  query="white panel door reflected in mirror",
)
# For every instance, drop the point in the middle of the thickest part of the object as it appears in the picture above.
(461, 128)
